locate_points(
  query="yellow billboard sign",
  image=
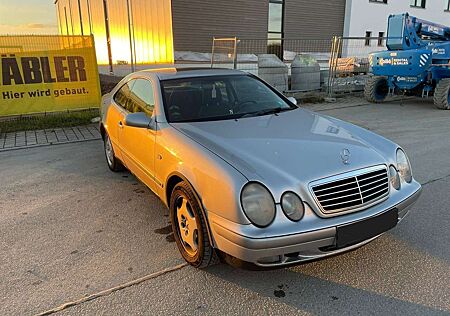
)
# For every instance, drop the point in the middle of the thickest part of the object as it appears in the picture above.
(44, 81)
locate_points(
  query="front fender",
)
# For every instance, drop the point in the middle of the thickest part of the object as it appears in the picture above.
(217, 183)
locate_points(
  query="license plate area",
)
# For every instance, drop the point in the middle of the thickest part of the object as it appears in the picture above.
(354, 233)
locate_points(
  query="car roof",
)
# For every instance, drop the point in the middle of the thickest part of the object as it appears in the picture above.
(179, 73)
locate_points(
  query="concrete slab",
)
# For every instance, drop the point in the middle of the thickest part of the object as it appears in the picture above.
(20, 140)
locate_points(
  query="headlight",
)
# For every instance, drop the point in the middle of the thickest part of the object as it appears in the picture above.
(292, 206)
(403, 166)
(394, 178)
(258, 204)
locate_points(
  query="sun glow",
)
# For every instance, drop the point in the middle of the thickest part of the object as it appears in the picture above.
(151, 32)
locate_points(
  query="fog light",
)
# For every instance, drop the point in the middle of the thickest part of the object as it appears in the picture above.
(269, 260)
(394, 178)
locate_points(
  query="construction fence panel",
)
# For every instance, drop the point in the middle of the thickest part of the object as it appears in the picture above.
(47, 73)
(349, 62)
(343, 61)
(224, 52)
(249, 51)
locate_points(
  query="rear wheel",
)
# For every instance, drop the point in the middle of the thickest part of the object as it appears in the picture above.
(189, 227)
(442, 94)
(376, 89)
(113, 163)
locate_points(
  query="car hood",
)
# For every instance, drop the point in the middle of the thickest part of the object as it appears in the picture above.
(292, 147)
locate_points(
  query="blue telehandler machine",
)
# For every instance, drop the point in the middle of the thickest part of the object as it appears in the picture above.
(417, 62)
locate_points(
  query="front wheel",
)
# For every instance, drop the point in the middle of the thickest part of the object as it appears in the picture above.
(113, 163)
(442, 94)
(189, 227)
(376, 89)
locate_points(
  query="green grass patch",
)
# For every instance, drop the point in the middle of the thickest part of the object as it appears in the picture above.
(47, 121)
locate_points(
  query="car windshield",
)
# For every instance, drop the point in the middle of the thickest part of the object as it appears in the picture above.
(219, 98)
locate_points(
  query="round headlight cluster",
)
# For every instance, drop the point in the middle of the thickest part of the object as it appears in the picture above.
(258, 204)
(292, 206)
(403, 166)
(402, 172)
(394, 178)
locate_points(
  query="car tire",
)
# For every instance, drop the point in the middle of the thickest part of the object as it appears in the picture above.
(189, 227)
(113, 163)
(442, 94)
(376, 89)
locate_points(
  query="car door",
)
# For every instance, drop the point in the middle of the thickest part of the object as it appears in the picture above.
(138, 144)
(116, 116)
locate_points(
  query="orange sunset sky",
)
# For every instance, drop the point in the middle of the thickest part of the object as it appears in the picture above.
(27, 17)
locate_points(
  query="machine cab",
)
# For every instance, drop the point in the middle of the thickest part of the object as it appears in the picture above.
(396, 28)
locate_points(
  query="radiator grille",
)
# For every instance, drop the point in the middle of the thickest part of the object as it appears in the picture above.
(352, 192)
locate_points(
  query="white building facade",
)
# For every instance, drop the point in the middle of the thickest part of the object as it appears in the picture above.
(368, 18)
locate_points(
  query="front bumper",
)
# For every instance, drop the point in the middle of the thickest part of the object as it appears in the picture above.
(271, 251)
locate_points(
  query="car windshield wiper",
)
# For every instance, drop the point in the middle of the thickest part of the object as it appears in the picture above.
(264, 112)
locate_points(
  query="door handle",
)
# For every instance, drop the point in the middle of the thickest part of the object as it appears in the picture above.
(120, 124)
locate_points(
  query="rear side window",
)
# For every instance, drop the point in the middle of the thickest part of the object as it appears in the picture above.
(141, 97)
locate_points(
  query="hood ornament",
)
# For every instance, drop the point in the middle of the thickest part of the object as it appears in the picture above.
(345, 156)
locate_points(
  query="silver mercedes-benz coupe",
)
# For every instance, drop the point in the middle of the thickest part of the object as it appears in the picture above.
(247, 174)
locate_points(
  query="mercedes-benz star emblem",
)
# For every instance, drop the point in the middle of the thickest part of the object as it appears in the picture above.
(345, 156)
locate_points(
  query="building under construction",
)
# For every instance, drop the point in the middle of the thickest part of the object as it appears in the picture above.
(149, 31)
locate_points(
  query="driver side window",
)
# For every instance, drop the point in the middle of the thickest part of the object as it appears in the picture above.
(141, 97)
(136, 96)
(122, 96)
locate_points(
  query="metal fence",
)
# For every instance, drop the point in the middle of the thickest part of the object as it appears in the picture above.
(224, 51)
(343, 61)
(11, 44)
(349, 65)
(248, 51)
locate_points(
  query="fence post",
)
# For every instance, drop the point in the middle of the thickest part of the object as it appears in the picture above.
(81, 17)
(235, 56)
(212, 52)
(89, 15)
(108, 37)
(330, 66)
(334, 56)
(131, 39)
(338, 55)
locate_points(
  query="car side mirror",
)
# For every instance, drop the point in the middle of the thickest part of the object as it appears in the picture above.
(293, 100)
(139, 119)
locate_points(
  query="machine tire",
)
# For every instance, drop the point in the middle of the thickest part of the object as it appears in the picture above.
(376, 89)
(204, 254)
(442, 94)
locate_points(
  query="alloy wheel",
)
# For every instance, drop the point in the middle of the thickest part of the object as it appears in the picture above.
(187, 226)
(109, 151)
